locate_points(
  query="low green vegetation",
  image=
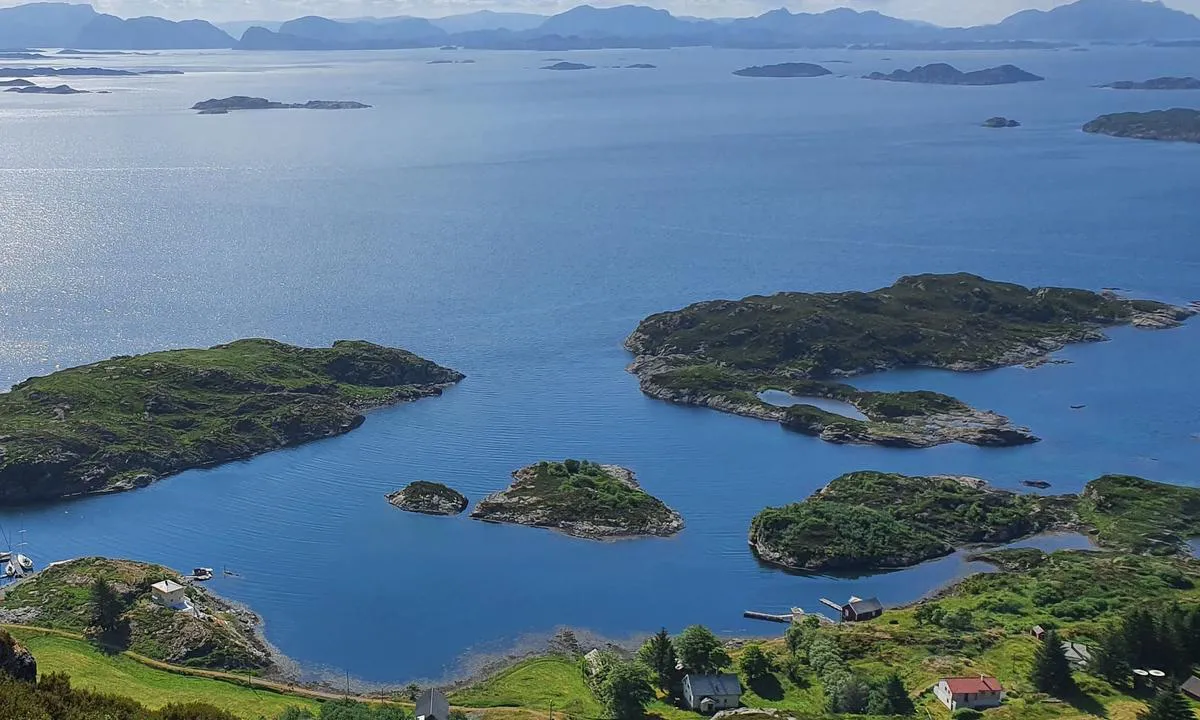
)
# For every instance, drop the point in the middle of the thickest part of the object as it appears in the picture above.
(541, 683)
(1141, 515)
(110, 600)
(874, 520)
(582, 498)
(124, 422)
(722, 353)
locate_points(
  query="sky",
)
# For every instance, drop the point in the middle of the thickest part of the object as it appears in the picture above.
(942, 12)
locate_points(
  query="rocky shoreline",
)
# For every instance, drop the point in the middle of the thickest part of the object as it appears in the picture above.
(428, 498)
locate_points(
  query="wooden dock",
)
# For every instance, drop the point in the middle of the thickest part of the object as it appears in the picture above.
(769, 617)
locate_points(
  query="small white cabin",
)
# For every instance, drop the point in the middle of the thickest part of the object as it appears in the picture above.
(169, 593)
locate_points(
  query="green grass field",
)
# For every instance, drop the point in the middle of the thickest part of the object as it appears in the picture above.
(537, 684)
(93, 670)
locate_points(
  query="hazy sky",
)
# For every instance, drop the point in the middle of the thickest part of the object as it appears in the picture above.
(944, 12)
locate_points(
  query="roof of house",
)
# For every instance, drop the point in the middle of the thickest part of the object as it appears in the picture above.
(714, 685)
(1039, 629)
(1191, 686)
(977, 684)
(865, 606)
(433, 703)
(1076, 651)
(167, 586)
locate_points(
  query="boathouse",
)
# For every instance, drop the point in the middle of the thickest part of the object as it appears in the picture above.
(976, 693)
(432, 705)
(169, 593)
(711, 693)
(858, 609)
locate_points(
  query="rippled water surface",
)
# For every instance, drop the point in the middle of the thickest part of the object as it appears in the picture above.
(516, 224)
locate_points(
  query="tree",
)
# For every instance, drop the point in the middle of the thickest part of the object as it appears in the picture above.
(1051, 670)
(626, 691)
(891, 698)
(928, 614)
(1109, 659)
(106, 605)
(853, 696)
(658, 654)
(799, 635)
(1168, 704)
(700, 651)
(754, 664)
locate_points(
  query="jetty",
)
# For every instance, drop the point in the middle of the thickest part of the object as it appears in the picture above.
(795, 616)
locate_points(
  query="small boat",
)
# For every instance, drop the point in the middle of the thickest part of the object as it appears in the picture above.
(1078, 407)
(24, 562)
(9, 570)
(202, 573)
(5, 556)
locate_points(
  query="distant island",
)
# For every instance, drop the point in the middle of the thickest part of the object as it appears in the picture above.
(870, 521)
(72, 72)
(242, 102)
(723, 354)
(1176, 124)
(564, 65)
(1162, 83)
(943, 74)
(580, 498)
(15, 83)
(784, 70)
(125, 422)
(429, 498)
(641, 66)
(1000, 122)
(46, 90)
(450, 62)
(217, 635)
(876, 521)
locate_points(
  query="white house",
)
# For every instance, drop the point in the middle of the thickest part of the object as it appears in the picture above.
(710, 693)
(169, 593)
(969, 692)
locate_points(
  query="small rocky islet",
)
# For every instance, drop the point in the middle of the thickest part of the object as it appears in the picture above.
(222, 106)
(1159, 83)
(582, 499)
(784, 70)
(1174, 125)
(722, 353)
(1000, 122)
(429, 498)
(564, 65)
(130, 420)
(944, 74)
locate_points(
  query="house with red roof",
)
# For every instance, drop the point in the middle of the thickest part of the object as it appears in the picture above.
(977, 692)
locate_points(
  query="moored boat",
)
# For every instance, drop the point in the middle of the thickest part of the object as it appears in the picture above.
(24, 562)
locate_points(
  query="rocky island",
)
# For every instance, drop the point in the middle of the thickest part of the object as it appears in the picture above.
(641, 66)
(125, 422)
(218, 635)
(943, 74)
(68, 71)
(877, 521)
(582, 499)
(241, 102)
(569, 66)
(1162, 83)
(32, 89)
(784, 70)
(722, 354)
(429, 498)
(1000, 122)
(1176, 125)
(15, 83)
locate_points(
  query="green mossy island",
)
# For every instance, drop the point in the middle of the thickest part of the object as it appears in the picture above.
(217, 635)
(873, 520)
(1141, 515)
(722, 353)
(580, 498)
(125, 422)
(429, 498)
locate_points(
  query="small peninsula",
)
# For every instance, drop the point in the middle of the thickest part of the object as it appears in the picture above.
(1174, 125)
(1000, 122)
(222, 106)
(875, 521)
(580, 498)
(217, 636)
(429, 498)
(943, 74)
(125, 422)
(45, 90)
(784, 70)
(1161, 83)
(722, 353)
(569, 66)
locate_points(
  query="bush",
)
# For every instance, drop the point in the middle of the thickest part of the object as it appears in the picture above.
(966, 714)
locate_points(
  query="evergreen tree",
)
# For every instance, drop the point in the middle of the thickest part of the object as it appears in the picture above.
(1051, 670)
(1109, 658)
(891, 698)
(700, 651)
(853, 696)
(658, 654)
(106, 605)
(626, 691)
(754, 664)
(1168, 704)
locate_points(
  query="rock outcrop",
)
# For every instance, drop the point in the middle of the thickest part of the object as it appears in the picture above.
(15, 660)
(429, 498)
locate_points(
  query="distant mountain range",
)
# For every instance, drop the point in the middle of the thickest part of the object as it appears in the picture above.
(80, 26)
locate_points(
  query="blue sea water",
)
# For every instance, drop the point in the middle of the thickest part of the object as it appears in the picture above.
(785, 399)
(516, 224)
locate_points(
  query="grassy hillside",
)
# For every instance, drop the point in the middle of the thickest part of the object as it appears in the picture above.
(1141, 515)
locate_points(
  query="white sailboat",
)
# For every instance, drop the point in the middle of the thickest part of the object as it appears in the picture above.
(9, 570)
(25, 563)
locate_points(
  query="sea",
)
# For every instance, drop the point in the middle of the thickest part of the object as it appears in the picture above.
(516, 223)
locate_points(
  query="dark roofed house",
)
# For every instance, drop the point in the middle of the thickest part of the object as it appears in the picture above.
(1078, 654)
(432, 705)
(858, 609)
(710, 693)
(1191, 687)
